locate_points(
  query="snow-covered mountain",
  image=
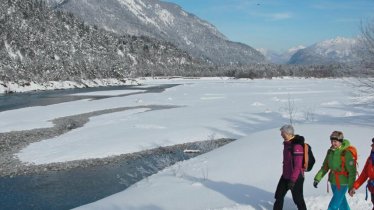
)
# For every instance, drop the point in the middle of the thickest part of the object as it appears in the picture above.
(279, 57)
(338, 50)
(165, 21)
(39, 44)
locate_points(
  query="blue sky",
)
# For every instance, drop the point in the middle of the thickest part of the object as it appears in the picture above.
(282, 24)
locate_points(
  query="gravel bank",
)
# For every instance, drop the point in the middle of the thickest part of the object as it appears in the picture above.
(12, 142)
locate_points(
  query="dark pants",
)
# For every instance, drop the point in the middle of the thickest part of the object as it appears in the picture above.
(372, 199)
(297, 193)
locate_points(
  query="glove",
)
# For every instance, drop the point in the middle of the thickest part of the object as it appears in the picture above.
(290, 185)
(315, 183)
(352, 192)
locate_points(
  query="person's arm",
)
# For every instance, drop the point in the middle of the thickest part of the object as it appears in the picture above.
(363, 176)
(297, 160)
(324, 169)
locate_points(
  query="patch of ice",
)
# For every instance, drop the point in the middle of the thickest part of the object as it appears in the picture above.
(197, 184)
(149, 126)
(109, 93)
(330, 103)
(257, 104)
(212, 98)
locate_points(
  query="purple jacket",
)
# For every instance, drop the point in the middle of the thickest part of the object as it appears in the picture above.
(293, 154)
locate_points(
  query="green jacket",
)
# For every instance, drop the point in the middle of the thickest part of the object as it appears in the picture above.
(333, 162)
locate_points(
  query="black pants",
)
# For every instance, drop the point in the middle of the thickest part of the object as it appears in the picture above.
(372, 199)
(297, 193)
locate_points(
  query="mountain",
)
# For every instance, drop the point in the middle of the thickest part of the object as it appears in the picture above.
(279, 57)
(164, 21)
(40, 44)
(338, 50)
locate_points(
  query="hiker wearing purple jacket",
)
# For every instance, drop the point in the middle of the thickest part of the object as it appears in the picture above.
(293, 174)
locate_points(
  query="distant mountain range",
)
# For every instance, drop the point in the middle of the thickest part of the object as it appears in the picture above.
(279, 57)
(163, 21)
(338, 50)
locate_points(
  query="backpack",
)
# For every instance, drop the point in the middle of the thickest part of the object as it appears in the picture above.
(308, 159)
(343, 172)
(353, 151)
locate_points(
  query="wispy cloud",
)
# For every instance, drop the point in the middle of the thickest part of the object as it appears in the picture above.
(280, 16)
(273, 16)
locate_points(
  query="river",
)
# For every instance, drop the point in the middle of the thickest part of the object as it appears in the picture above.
(66, 189)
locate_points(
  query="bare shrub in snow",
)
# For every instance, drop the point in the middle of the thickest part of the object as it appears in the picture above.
(309, 114)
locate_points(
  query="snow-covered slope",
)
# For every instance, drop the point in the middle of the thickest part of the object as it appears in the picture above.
(161, 20)
(338, 50)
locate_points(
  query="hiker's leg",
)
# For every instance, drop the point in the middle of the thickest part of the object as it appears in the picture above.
(338, 200)
(298, 194)
(344, 205)
(372, 199)
(281, 191)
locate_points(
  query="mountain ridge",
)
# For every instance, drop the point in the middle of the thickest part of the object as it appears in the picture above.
(165, 21)
(336, 50)
(277, 57)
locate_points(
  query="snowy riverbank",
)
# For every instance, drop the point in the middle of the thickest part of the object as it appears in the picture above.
(25, 86)
(241, 175)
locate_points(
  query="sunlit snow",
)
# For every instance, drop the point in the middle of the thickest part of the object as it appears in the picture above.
(240, 175)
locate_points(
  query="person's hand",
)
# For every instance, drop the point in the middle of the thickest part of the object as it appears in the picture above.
(290, 185)
(315, 184)
(352, 192)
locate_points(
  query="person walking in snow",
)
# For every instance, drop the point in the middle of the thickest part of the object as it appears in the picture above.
(367, 173)
(292, 177)
(342, 167)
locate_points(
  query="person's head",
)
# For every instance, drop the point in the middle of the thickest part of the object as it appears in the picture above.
(372, 145)
(287, 132)
(336, 138)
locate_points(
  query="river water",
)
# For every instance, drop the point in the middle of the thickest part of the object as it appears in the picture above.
(43, 98)
(68, 189)
(78, 186)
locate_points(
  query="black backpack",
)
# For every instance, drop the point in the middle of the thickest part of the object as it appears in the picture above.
(308, 159)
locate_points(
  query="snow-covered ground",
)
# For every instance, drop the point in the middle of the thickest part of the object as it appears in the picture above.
(240, 175)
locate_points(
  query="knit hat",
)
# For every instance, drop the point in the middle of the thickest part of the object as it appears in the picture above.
(372, 140)
(337, 135)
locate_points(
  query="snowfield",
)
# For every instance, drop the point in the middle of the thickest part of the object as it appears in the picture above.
(240, 175)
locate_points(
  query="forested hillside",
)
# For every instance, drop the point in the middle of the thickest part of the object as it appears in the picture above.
(40, 44)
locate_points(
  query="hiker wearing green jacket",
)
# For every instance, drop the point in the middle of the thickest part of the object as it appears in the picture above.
(342, 167)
